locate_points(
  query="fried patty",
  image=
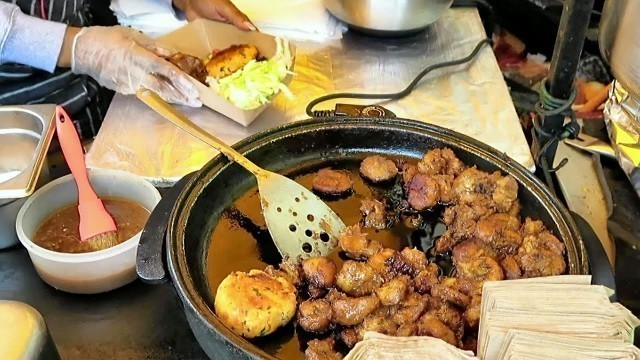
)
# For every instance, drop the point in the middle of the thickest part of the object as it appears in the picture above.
(255, 304)
(230, 60)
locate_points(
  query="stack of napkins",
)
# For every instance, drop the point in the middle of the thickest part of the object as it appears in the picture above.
(524, 345)
(576, 318)
(376, 346)
(305, 20)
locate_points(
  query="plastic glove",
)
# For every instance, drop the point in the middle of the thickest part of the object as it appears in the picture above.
(124, 60)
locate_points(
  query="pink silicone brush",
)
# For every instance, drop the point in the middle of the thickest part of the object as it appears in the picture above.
(97, 227)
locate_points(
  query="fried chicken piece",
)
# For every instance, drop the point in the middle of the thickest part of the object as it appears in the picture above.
(320, 274)
(541, 254)
(510, 268)
(393, 292)
(378, 262)
(314, 315)
(322, 350)
(190, 65)
(417, 259)
(440, 162)
(424, 192)
(472, 186)
(410, 310)
(374, 214)
(408, 172)
(446, 291)
(461, 221)
(429, 325)
(349, 337)
(426, 279)
(349, 311)
(471, 262)
(471, 315)
(449, 315)
(505, 193)
(357, 278)
(407, 330)
(332, 182)
(445, 185)
(378, 169)
(501, 232)
(356, 244)
(227, 61)
(380, 322)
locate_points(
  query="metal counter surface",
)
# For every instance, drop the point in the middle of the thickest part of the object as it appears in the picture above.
(472, 99)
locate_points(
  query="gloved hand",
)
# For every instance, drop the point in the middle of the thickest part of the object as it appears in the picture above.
(124, 60)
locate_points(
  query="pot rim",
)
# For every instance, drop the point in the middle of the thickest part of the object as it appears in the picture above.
(179, 269)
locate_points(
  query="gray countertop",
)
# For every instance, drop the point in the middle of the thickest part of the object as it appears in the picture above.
(472, 99)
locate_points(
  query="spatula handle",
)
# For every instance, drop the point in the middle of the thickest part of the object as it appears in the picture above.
(170, 113)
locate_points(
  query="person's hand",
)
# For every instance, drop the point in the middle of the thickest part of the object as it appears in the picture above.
(124, 60)
(218, 10)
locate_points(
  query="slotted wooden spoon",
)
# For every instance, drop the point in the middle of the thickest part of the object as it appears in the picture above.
(300, 223)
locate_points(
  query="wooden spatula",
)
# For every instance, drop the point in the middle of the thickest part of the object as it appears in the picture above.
(300, 223)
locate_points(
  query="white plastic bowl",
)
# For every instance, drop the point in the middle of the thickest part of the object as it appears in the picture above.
(85, 273)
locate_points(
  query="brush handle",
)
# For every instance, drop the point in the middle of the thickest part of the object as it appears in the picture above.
(74, 155)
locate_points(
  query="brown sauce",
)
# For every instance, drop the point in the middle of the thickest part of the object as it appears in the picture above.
(241, 242)
(60, 231)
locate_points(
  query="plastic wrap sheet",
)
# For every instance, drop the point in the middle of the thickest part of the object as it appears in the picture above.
(622, 116)
(472, 99)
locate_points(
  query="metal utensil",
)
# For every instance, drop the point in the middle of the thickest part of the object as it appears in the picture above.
(387, 17)
(300, 223)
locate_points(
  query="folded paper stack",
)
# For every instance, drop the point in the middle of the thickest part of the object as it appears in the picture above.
(571, 317)
(376, 346)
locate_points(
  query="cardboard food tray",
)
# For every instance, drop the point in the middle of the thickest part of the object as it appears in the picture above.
(200, 37)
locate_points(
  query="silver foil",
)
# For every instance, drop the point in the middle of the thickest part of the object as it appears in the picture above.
(472, 99)
(622, 116)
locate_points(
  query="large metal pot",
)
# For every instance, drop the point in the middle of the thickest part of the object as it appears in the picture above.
(619, 41)
(388, 17)
(291, 149)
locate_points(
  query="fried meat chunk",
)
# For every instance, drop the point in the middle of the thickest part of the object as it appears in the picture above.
(350, 311)
(426, 279)
(320, 274)
(227, 61)
(322, 350)
(501, 232)
(541, 253)
(190, 65)
(357, 278)
(440, 162)
(393, 292)
(332, 182)
(473, 262)
(429, 325)
(380, 321)
(314, 315)
(410, 310)
(378, 169)
(356, 244)
(374, 214)
(505, 194)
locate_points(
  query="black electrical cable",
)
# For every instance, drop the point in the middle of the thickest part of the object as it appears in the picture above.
(397, 95)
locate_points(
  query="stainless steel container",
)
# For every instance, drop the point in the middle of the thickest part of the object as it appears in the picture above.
(388, 17)
(25, 135)
(619, 41)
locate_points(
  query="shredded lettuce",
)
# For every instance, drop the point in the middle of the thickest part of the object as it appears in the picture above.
(258, 81)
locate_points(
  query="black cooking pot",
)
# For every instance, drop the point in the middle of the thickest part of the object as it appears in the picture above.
(203, 197)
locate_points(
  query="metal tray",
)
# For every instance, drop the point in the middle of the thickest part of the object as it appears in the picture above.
(25, 135)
